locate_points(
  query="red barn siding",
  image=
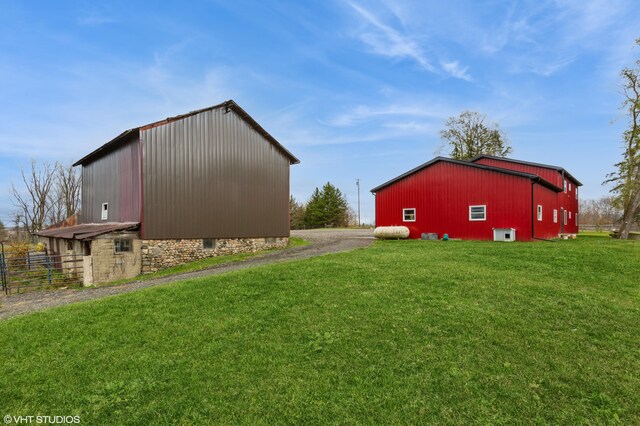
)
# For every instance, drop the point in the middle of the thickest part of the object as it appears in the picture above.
(550, 175)
(564, 200)
(442, 193)
(548, 199)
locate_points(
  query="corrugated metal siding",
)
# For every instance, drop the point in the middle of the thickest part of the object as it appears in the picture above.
(211, 175)
(549, 201)
(115, 179)
(566, 201)
(549, 175)
(442, 194)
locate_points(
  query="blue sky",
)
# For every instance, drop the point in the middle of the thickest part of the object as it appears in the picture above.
(355, 89)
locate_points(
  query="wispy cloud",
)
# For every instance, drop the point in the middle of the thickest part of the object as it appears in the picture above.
(389, 42)
(363, 113)
(385, 40)
(456, 70)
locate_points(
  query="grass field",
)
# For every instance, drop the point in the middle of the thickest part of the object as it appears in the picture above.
(402, 332)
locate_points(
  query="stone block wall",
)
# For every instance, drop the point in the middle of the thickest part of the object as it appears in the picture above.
(160, 254)
(107, 265)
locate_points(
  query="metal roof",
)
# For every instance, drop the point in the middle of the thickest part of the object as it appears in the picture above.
(229, 105)
(87, 230)
(530, 176)
(527, 163)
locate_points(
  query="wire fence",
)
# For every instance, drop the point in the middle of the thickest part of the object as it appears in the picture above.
(37, 269)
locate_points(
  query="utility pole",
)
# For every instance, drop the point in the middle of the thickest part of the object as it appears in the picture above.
(358, 185)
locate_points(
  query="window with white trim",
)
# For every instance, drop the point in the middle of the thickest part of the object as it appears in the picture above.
(408, 215)
(569, 215)
(564, 217)
(477, 213)
(564, 186)
(105, 211)
(555, 215)
(539, 213)
(569, 186)
(576, 192)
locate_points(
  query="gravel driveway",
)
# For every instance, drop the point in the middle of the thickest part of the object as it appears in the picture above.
(322, 241)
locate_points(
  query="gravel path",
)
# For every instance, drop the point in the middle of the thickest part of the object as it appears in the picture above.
(322, 241)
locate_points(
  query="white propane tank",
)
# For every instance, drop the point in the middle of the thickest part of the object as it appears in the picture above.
(391, 232)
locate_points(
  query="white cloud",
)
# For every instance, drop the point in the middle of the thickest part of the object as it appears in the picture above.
(385, 40)
(390, 42)
(456, 70)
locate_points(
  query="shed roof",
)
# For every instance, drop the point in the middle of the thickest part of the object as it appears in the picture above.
(87, 230)
(528, 163)
(532, 177)
(229, 105)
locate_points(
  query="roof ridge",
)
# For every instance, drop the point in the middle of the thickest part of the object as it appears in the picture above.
(468, 164)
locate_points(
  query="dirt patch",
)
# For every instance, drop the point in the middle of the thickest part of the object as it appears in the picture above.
(322, 241)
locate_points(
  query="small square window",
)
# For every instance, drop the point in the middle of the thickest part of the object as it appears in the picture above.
(409, 215)
(539, 213)
(477, 213)
(209, 243)
(122, 245)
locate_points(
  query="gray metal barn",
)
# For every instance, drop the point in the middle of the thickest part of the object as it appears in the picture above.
(200, 184)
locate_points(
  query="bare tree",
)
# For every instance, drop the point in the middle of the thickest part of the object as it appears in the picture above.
(469, 135)
(599, 213)
(34, 204)
(627, 176)
(65, 197)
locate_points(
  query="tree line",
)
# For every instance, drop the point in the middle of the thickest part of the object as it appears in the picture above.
(326, 208)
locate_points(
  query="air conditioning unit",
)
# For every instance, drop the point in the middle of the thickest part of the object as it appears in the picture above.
(504, 234)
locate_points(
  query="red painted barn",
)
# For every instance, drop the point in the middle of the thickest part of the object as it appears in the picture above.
(483, 199)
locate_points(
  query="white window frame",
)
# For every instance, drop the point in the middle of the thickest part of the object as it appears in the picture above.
(564, 217)
(564, 185)
(539, 212)
(404, 214)
(576, 192)
(569, 186)
(484, 211)
(569, 215)
(104, 212)
(555, 215)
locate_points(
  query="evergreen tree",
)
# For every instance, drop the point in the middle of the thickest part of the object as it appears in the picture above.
(326, 208)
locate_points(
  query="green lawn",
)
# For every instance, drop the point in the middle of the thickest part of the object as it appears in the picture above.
(402, 332)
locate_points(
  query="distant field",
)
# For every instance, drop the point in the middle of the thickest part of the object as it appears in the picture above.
(402, 332)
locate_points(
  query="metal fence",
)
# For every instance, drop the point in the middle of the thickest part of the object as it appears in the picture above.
(37, 269)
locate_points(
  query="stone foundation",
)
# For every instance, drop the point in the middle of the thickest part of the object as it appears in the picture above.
(161, 254)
